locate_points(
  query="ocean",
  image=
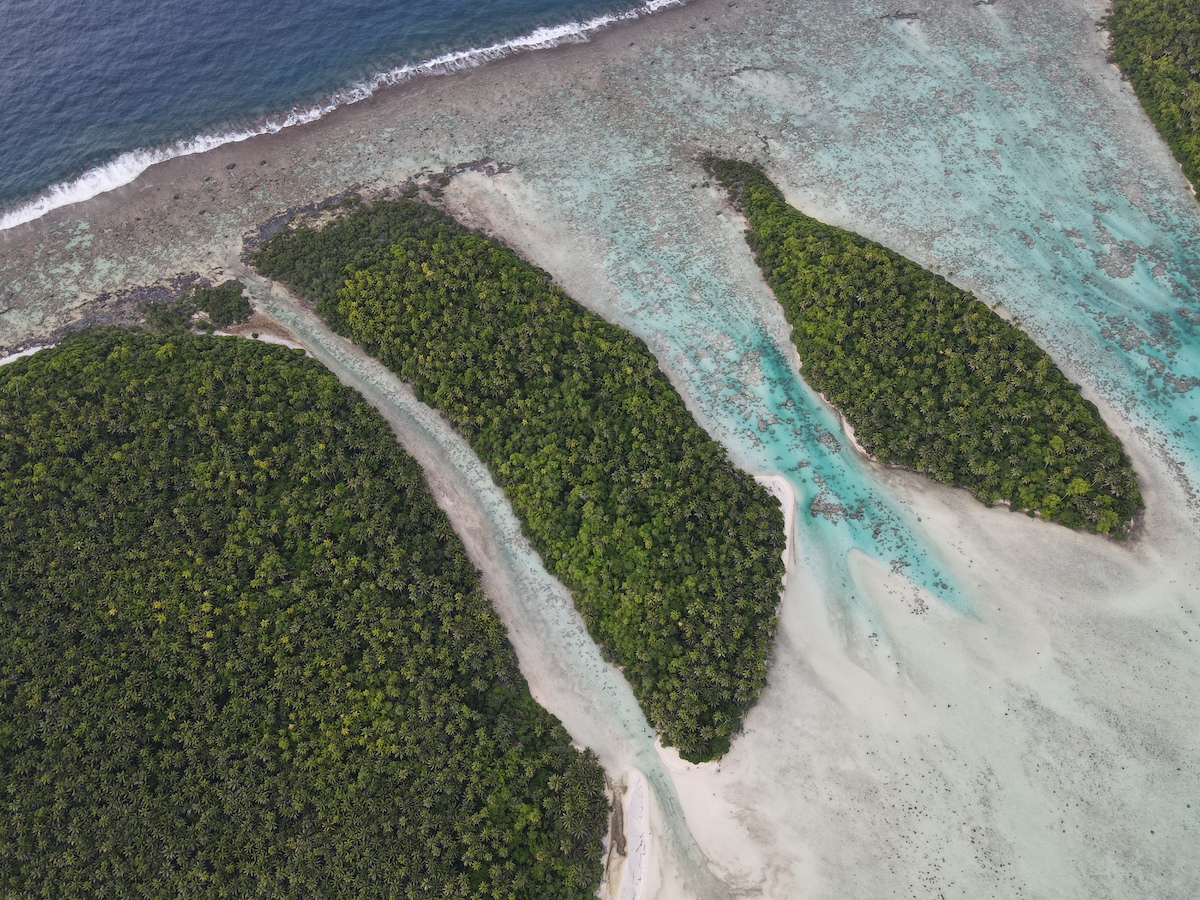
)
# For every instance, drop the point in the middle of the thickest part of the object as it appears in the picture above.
(92, 94)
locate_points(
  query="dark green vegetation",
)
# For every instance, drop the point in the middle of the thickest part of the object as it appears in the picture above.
(1157, 45)
(672, 553)
(225, 304)
(244, 655)
(929, 377)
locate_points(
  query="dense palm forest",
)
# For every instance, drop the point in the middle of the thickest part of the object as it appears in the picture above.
(244, 654)
(672, 553)
(928, 376)
(1157, 45)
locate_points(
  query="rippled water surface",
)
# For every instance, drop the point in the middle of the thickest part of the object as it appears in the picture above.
(82, 83)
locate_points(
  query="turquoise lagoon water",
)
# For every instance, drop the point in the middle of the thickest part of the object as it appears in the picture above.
(992, 143)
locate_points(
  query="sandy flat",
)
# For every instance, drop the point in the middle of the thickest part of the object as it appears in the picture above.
(640, 868)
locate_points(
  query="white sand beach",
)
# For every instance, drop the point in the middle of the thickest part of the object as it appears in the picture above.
(640, 870)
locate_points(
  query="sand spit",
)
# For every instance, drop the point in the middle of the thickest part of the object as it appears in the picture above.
(1043, 742)
(263, 328)
(640, 864)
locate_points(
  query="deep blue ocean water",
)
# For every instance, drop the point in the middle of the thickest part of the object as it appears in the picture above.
(83, 82)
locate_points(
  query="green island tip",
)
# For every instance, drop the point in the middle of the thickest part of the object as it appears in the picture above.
(929, 377)
(1155, 44)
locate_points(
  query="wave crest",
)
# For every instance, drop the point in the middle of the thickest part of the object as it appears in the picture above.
(128, 166)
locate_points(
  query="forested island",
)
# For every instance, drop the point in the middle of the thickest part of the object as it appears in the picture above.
(928, 376)
(244, 653)
(1156, 44)
(673, 554)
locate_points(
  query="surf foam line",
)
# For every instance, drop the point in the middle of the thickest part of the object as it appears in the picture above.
(128, 166)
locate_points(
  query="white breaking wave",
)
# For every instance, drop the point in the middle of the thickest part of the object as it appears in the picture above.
(128, 166)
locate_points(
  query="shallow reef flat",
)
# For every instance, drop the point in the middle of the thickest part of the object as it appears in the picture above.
(961, 701)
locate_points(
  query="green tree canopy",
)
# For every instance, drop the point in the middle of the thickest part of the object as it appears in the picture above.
(1156, 43)
(928, 376)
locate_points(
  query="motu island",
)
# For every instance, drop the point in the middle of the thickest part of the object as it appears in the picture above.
(928, 376)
